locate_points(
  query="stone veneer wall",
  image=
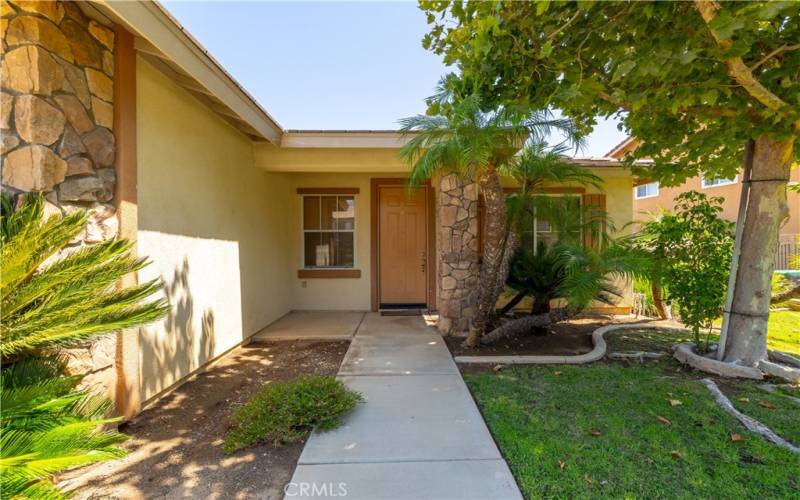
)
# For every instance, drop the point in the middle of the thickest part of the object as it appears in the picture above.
(57, 117)
(458, 248)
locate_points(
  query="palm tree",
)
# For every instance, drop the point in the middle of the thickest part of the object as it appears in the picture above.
(475, 141)
(534, 168)
(575, 273)
(50, 299)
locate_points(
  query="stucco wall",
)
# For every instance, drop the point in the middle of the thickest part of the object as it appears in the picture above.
(331, 294)
(354, 294)
(619, 206)
(730, 207)
(215, 227)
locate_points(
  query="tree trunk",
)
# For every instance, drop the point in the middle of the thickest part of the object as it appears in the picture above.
(767, 209)
(509, 248)
(541, 305)
(494, 239)
(525, 325)
(664, 311)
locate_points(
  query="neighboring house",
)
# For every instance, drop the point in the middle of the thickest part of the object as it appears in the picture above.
(114, 107)
(650, 197)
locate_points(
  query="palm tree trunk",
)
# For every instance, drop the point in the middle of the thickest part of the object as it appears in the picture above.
(509, 247)
(495, 231)
(541, 305)
(525, 324)
(663, 309)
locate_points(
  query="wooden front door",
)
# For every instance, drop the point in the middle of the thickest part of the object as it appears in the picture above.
(402, 245)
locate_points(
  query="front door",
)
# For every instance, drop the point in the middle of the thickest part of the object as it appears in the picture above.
(402, 245)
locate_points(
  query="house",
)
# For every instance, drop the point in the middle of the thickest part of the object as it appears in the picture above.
(650, 198)
(115, 108)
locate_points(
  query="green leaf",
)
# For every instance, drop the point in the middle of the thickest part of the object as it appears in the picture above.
(546, 49)
(623, 69)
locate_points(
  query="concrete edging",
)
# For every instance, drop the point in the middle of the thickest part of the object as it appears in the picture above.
(595, 354)
(686, 355)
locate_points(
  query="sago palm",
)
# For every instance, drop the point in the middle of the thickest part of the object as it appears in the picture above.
(52, 298)
(538, 167)
(573, 273)
(475, 141)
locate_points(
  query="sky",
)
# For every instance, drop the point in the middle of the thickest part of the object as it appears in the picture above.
(330, 65)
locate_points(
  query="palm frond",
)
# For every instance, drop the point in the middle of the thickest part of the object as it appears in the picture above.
(47, 424)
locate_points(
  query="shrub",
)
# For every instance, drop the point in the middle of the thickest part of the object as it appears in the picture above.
(696, 245)
(285, 412)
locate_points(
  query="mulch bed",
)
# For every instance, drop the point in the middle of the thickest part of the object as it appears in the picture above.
(563, 339)
(175, 447)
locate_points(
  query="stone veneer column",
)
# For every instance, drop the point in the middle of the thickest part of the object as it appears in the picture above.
(57, 120)
(458, 253)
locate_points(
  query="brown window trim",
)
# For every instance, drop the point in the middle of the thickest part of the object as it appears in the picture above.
(329, 273)
(328, 190)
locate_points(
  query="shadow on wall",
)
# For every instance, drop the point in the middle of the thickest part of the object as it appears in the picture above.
(178, 348)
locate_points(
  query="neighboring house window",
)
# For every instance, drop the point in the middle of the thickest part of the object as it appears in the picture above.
(329, 225)
(556, 217)
(718, 181)
(648, 190)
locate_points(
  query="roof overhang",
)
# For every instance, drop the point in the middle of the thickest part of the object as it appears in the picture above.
(163, 42)
(344, 139)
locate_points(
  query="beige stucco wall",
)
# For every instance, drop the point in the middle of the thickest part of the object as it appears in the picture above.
(326, 293)
(354, 294)
(326, 160)
(644, 208)
(214, 226)
(619, 206)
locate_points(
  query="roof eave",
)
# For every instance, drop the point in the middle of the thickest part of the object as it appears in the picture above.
(170, 46)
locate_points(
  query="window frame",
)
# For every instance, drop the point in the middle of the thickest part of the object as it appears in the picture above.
(303, 231)
(705, 183)
(536, 231)
(644, 197)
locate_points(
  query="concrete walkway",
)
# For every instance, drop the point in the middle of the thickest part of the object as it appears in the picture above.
(418, 434)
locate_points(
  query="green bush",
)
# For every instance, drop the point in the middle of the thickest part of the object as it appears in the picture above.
(696, 246)
(285, 412)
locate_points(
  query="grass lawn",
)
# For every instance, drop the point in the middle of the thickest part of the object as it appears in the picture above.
(633, 431)
(776, 411)
(784, 331)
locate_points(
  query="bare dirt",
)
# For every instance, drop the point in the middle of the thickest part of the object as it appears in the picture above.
(563, 339)
(175, 447)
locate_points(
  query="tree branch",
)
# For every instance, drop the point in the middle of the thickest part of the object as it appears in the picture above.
(565, 26)
(736, 67)
(782, 48)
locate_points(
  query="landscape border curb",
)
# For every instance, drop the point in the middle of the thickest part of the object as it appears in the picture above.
(596, 354)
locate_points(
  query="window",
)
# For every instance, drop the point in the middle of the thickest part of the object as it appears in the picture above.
(648, 190)
(553, 218)
(328, 231)
(718, 181)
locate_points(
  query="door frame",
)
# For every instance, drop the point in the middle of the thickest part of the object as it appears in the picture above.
(430, 219)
